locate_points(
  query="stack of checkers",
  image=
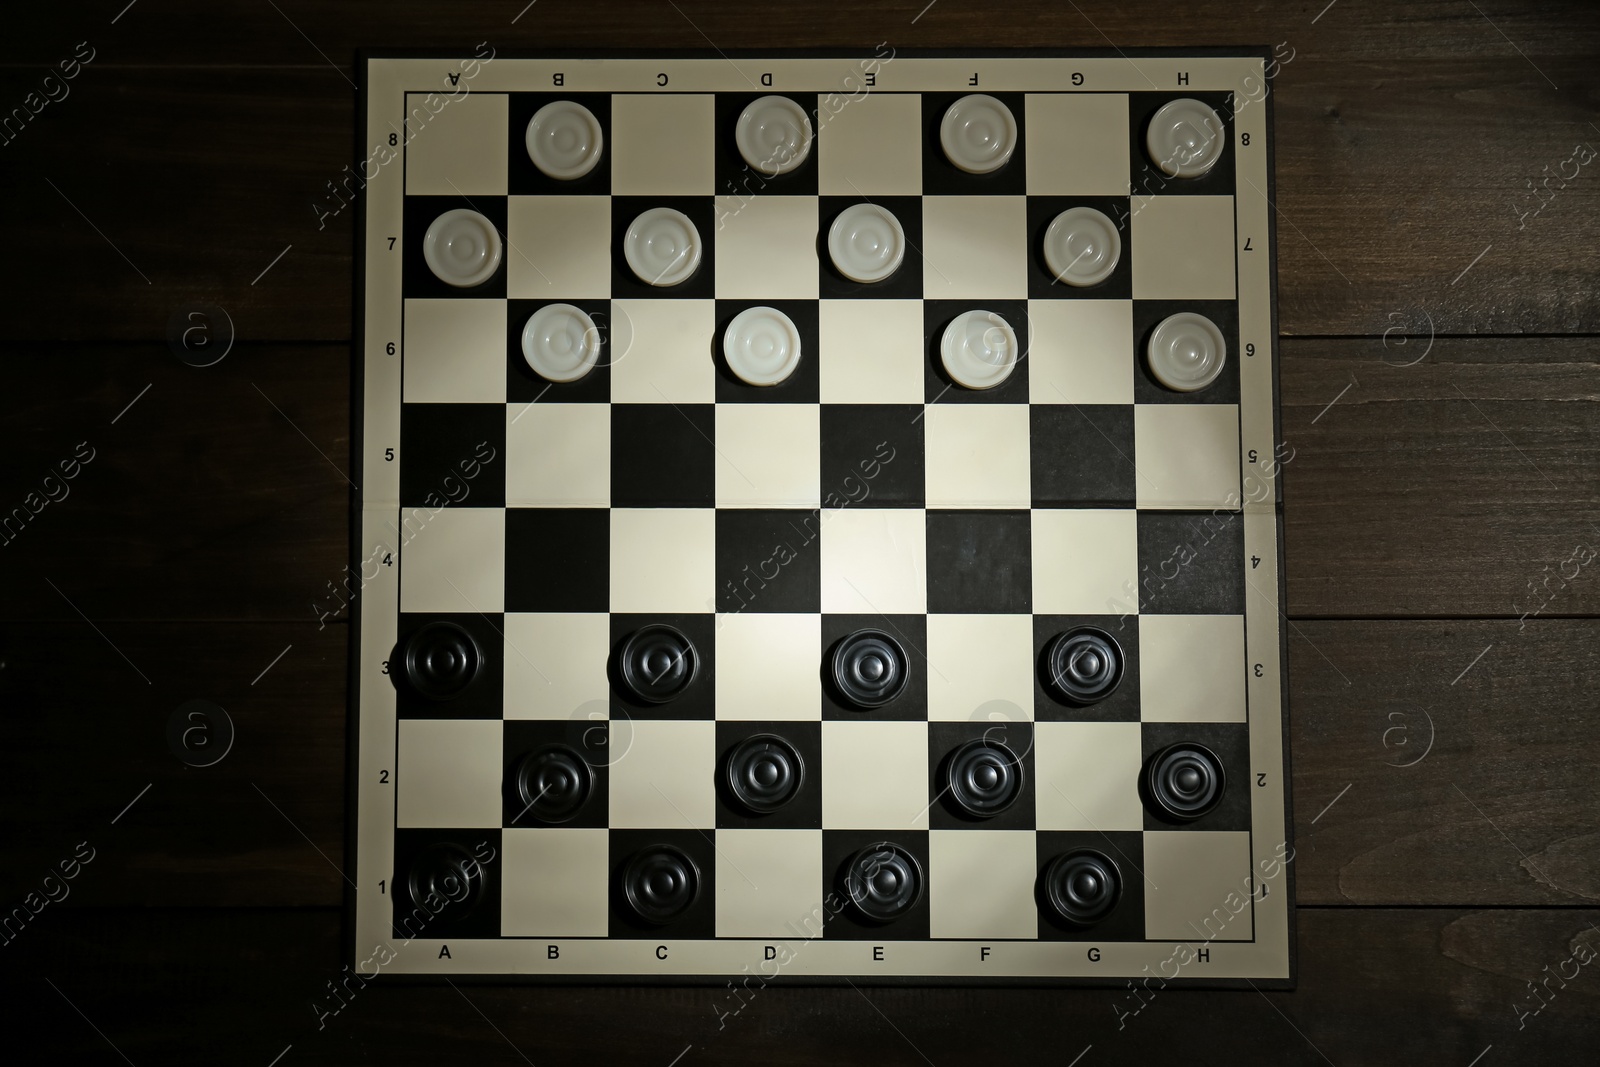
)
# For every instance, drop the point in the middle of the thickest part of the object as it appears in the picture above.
(803, 509)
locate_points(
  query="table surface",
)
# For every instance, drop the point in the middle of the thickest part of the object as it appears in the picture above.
(1438, 218)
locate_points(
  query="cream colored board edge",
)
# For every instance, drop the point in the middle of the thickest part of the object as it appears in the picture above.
(379, 603)
(383, 312)
(1257, 429)
(1269, 838)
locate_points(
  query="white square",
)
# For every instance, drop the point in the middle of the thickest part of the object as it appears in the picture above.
(872, 352)
(1077, 144)
(663, 559)
(875, 775)
(974, 247)
(1080, 352)
(1088, 775)
(874, 561)
(977, 456)
(455, 351)
(558, 247)
(1191, 668)
(767, 247)
(1197, 886)
(767, 666)
(666, 779)
(456, 562)
(663, 145)
(547, 882)
(980, 883)
(456, 145)
(661, 352)
(871, 146)
(1183, 248)
(558, 455)
(555, 666)
(1187, 455)
(980, 667)
(769, 455)
(1085, 562)
(768, 881)
(447, 772)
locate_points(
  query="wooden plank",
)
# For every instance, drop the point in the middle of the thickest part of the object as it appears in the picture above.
(1376, 986)
(1499, 810)
(1379, 219)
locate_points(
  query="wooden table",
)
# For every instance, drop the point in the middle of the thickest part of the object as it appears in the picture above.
(1439, 215)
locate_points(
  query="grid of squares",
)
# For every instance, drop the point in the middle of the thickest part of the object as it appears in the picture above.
(865, 491)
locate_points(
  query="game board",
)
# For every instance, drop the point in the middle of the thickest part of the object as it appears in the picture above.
(819, 520)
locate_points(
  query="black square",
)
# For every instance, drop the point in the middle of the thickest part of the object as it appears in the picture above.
(1230, 742)
(525, 179)
(700, 921)
(417, 280)
(587, 742)
(801, 813)
(558, 559)
(905, 283)
(944, 738)
(1146, 179)
(873, 455)
(735, 177)
(1081, 455)
(910, 632)
(801, 387)
(1125, 849)
(1123, 703)
(940, 177)
(483, 698)
(662, 455)
(698, 701)
(523, 386)
(1148, 314)
(842, 922)
(769, 560)
(452, 455)
(455, 912)
(980, 562)
(938, 388)
(1042, 282)
(1191, 563)
(701, 211)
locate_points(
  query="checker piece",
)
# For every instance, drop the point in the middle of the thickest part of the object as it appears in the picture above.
(978, 134)
(1184, 138)
(984, 778)
(1082, 247)
(762, 346)
(564, 140)
(1082, 887)
(1183, 782)
(462, 248)
(884, 881)
(866, 243)
(657, 663)
(978, 350)
(773, 135)
(441, 660)
(662, 247)
(869, 668)
(764, 773)
(1083, 666)
(1186, 352)
(561, 343)
(660, 883)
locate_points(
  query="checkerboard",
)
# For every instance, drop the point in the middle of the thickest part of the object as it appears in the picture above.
(549, 521)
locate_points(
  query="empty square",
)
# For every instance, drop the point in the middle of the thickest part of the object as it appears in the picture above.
(1086, 562)
(1088, 775)
(1080, 352)
(662, 560)
(871, 352)
(980, 667)
(874, 560)
(873, 453)
(450, 456)
(555, 665)
(459, 149)
(767, 455)
(875, 775)
(1192, 563)
(455, 351)
(456, 562)
(768, 560)
(447, 772)
(767, 666)
(766, 247)
(1199, 886)
(663, 455)
(666, 778)
(979, 562)
(1082, 455)
(767, 881)
(548, 882)
(663, 145)
(1192, 668)
(872, 145)
(975, 247)
(556, 559)
(1187, 455)
(1183, 248)
(1078, 144)
(661, 351)
(977, 455)
(558, 247)
(981, 884)
(558, 455)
